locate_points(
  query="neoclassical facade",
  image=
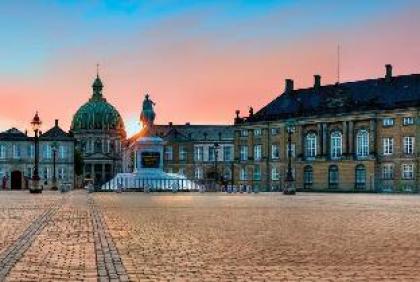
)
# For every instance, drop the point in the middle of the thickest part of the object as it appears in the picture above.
(17, 158)
(100, 134)
(354, 136)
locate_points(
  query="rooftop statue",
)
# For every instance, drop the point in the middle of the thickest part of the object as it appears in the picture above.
(147, 116)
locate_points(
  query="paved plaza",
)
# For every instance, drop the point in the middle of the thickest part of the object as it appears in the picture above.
(78, 236)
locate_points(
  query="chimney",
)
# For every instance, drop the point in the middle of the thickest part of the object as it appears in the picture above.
(388, 74)
(289, 86)
(188, 123)
(317, 81)
(56, 123)
(170, 124)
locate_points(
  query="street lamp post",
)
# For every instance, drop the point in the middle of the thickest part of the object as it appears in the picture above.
(54, 180)
(290, 187)
(36, 124)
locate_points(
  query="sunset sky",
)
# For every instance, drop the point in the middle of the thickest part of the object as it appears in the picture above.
(199, 60)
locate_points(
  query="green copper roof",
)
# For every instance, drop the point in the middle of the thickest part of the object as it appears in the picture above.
(97, 113)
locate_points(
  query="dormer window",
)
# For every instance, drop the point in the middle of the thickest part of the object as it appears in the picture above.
(388, 122)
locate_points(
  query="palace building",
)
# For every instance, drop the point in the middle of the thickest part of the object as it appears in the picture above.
(353, 136)
(17, 158)
(195, 151)
(100, 133)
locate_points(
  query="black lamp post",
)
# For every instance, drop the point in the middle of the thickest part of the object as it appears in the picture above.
(54, 147)
(289, 189)
(36, 124)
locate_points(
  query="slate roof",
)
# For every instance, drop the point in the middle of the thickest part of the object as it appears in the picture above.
(56, 134)
(13, 134)
(366, 95)
(188, 132)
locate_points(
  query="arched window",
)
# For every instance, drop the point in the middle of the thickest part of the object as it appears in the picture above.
(308, 177)
(227, 174)
(310, 145)
(362, 143)
(333, 177)
(360, 176)
(336, 144)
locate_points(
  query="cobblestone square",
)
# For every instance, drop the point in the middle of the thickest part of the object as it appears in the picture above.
(78, 236)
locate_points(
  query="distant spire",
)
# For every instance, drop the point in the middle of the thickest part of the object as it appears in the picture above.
(97, 70)
(338, 63)
(97, 85)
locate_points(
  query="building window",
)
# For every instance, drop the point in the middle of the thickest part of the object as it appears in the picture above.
(31, 151)
(388, 171)
(388, 145)
(2, 173)
(16, 151)
(388, 122)
(227, 174)
(211, 152)
(275, 152)
(108, 146)
(98, 146)
(62, 152)
(293, 149)
(333, 177)
(244, 153)
(257, 172)
(2, 151)
(336, 145)
(181, 171)
(62, 173)
(257, 152)
(408, 171)
(227, 153)
(46, 173)
(198, 173)
(47, 151)
(274, 131)
(243, 175)
(257, 132)
(408, 145)
(244, 132)
(408, 121)
(169, 153)
(275, 174)
(360, 176)
(362, 143)
(182, 153)
(199, 153)
(310, 145)
(308, 177)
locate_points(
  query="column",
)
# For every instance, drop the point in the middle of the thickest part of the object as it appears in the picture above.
(372, 135)
(324, 139)
(351, 137)
(319, 142)
(345, 138)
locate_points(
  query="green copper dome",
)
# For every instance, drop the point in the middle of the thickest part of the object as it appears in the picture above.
(97, 113)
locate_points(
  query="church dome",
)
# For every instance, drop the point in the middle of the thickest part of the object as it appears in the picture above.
(97, 113)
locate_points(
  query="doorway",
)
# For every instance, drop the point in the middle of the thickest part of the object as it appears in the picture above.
(16, 180)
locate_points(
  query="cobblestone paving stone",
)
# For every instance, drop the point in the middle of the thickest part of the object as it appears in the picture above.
(17, 211)
(64, 250)
(109, 264)
(265, 237)
(16, 246)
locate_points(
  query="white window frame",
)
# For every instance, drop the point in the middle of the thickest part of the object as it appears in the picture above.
(408, 120)
(336, 146)
(183, 153)
(408, 142)
(388, 122)
(258, 152)
(362, 142)
(257, 173)
(257, 132)
(407, 171)
(227, 153)
(275, 151)
(244, 132)
(243, 174)
(198, 173)
(310, 145)
(3, 151)
(388, 171)
(169, 153)
(388, 146)
(243, 152)
(199, 153)
(275, 173)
